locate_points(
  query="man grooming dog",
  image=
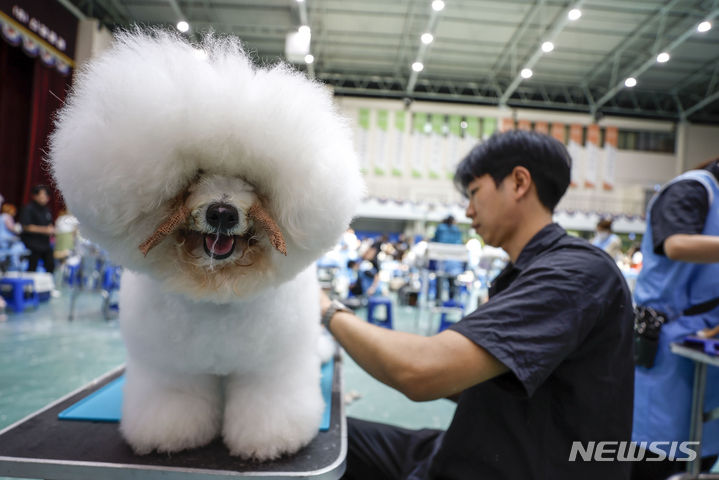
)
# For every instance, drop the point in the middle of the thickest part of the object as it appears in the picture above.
(214, 184)
(545, 363)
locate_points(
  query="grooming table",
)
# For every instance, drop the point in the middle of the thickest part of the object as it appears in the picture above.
(42, 446)
(698, 416)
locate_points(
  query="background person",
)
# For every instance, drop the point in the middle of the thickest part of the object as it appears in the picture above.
(539, 366)
(37, 228)
(606, 240)
(448, 232)
(679, 281)
(9, 238)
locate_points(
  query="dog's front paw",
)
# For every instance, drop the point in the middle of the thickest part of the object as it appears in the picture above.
(168, 419)
(264, 425)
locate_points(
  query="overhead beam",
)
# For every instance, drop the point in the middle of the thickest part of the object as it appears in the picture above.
(178, 11)
(422, 52)
(73, 9)
(615, 54)
(697, 75)
(516, 36)
(649, 63)
(302, 7)
(554, 31)
(698, 106)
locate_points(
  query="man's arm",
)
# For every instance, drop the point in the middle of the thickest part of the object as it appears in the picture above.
(422, 368)
(692, 248)
(46, 229)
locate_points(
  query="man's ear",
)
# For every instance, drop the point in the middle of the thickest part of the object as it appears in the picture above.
(521, 181)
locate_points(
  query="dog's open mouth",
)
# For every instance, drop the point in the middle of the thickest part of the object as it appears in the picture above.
(218, 246)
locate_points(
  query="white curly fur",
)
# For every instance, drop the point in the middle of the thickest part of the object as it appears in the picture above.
(214, 346)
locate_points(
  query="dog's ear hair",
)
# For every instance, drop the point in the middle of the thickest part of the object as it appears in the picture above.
(263, 219)
(172, 222)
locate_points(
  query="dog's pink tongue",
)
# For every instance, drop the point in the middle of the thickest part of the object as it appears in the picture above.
(219, 245)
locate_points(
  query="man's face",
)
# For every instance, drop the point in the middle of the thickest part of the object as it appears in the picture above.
(41, 198)
(490, 209)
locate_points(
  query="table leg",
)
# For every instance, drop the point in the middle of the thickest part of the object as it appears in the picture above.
(697, 418)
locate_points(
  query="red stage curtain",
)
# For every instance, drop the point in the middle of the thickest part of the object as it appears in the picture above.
(30, 94)
(48, 94)
(16, 70)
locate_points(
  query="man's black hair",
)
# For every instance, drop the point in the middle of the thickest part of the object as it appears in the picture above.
(39, 188)
(546, 159)
(351, 263)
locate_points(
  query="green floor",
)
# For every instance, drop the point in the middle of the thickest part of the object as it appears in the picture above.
(44, 356)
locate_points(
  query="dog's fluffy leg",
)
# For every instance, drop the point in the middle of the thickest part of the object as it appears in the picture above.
(274, 413)
(169, 413)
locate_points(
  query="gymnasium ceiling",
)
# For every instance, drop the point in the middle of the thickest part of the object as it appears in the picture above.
(367, 47)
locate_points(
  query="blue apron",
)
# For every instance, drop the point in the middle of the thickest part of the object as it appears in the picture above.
(662, 394)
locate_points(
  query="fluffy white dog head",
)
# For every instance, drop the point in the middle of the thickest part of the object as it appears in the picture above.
(230, 177)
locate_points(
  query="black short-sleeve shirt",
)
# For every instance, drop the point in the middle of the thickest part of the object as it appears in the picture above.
(35, 214)
(681, 208)
(561, 320)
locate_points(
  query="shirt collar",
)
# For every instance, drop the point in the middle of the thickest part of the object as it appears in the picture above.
(541, 241)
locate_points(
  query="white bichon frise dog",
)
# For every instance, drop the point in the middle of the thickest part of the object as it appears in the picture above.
(216, 185)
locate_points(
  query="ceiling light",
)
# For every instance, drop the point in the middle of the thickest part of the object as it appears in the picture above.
(547, 47)
(427, 38)
(417, 66)
(663, 57)
(704, 27)
(304, 30)
(437, 5)
(630, 82)
(309, 59)
(574, 14)
(526, 72)
(183, 26)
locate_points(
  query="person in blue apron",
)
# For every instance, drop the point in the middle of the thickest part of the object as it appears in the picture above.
(677, 292)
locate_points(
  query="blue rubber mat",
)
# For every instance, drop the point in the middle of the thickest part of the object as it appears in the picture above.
(105, 405)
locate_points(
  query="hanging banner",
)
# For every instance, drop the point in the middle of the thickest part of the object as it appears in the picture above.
(542, 127)
(363, 118)
(611, 140)
(592, 156)
(437, 149)
(419, 136)
(380, 143)
(44, 30)
(576, 151)
(507, 124)
(398, 157)
(559, 132)
(453, 139)
(524, 125)
(489, 127)
(471, 134)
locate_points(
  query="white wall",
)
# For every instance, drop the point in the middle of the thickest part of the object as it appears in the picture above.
(700, 143)
(92, 38)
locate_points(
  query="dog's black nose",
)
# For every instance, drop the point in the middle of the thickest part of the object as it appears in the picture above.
(221, 216)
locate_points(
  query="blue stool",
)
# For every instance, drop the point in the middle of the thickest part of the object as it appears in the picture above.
(72, 275)
(19, 293)
(374, 302)
(443, 322)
